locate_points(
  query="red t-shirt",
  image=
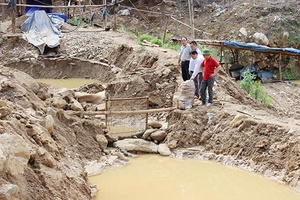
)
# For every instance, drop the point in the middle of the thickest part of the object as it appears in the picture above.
(209, 66)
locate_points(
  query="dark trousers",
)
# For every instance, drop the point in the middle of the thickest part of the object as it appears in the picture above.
(185, 70)
(204, 85)
(197, 82)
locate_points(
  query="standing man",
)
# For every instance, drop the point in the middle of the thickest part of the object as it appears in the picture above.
(195, 69)
(194, 47)
(184, 58)
(210, 69)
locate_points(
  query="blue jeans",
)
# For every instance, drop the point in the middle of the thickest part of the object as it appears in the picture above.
(204, 85)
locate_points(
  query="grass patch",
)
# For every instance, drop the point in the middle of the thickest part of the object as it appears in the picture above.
(254, 88)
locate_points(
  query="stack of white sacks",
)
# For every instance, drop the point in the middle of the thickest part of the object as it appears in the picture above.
(186, 94)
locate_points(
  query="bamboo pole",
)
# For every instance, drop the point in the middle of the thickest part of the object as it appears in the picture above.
(131, 112)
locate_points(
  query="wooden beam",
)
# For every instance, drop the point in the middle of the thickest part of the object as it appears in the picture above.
(130, 112)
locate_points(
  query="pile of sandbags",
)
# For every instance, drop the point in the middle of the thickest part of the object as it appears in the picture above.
(186, 94)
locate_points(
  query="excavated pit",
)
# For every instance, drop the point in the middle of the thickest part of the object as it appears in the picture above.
(262, 141)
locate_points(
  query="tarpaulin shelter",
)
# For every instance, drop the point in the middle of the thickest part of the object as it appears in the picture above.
(40, 31)
(237, 46)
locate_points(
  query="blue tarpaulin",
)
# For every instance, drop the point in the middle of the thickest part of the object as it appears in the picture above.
(40, 31)
(260, 48)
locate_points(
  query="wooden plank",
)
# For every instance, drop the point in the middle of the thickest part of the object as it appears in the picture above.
(134, 98)
(134, 112)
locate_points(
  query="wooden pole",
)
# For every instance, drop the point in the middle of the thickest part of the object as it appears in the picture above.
(131, 112)
(163, 12)
(147, 115)
(115, 16)
(13, 20)
(189, 26)
(106, 110)
(192, 19)
(280, 69)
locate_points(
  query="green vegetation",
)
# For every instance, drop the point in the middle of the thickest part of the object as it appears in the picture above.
(289, 73)
(76, 21)
(151, 39)
(294, 40)
(254, 88)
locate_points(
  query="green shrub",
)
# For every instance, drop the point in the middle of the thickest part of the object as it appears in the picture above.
(254, 88)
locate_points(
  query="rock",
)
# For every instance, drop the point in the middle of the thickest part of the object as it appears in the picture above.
(158, 135)
(43, 94)
(3, 103)
(124, 12)
(4, 111)
(243, 31)
(148, 132)
(102, 141)
(28, 81)
(155, 124)
(155, 100)
(48, 160)
(8, 191)
(237, 120)
(15, 153)
(260, 38)
(164, 150)
(59, 103)
(76, 106)
(111, 138)
(90, 98)
(49, 123)
(136, 145)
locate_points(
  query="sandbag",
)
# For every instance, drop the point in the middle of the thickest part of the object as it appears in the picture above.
(186, 94)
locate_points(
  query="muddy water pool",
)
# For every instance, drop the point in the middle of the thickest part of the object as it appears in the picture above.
(67, 83)
(152, 177)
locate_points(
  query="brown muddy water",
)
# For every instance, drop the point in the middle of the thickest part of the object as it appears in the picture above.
(152, 177)
(67, 83)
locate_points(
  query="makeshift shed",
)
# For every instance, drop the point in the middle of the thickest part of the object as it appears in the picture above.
(236, 47)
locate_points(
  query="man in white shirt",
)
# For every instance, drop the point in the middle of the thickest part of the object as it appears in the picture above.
(184, 58)
(196, 70)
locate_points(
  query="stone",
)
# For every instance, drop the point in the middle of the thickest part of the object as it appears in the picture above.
(8, 191)
(28, 81)
(154, 124)
(48, 160)
(124, 12)
(164, 150)
(76, 106)
(111, 138)
(49, 123)
(97, 98)
(3, 103)
(237, 120)
(243, 31)
(260, 38)
(15, 153)
(102, 141)
(43, 94)
(158, 135)
(59, 103)
(4, 111)
(136, 145)
(148, 132)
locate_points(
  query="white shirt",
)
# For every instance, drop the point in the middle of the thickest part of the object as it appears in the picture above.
(185, 52)
(196, 65)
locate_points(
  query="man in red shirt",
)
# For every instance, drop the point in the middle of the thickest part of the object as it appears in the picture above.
(210, 69)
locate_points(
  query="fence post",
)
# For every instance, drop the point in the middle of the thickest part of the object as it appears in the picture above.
(147, 108)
